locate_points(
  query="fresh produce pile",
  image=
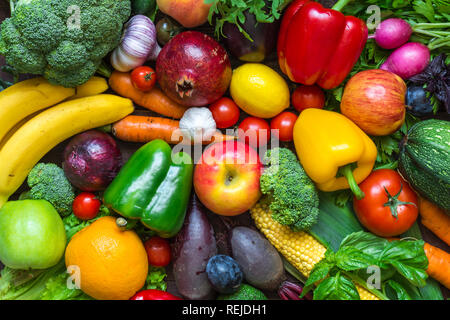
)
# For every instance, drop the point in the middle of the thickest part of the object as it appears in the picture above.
(278, 148)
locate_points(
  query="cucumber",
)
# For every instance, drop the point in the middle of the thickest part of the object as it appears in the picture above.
(245, 292)
(143, 6)
(425, 160)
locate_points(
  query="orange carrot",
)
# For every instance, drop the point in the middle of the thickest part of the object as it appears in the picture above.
(154, 100)
(144, 129)
(435, 219)
(438, 264)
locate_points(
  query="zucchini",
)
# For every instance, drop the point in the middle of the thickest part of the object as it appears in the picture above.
(425, 160)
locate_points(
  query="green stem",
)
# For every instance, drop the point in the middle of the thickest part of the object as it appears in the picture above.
(340, 5)
(347, 172)
(393, 202)
(428, 33)
(391, 165)
(363, 284)
(105, 129)
(440, 43)
(431, 25)
(104, 70)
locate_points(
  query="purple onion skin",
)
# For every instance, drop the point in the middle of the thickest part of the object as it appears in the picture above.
(194, 245)
(92, 160)
(292, 291)
(264, 36)
(392, 33)
(408, 60)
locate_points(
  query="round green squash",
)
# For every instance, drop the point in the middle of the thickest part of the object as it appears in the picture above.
(425, 160)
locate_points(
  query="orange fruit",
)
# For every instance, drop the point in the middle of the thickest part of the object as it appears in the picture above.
(112, 262)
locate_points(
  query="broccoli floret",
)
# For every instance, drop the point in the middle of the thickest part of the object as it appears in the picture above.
(43, 37)
(47, 181)
(293, 197)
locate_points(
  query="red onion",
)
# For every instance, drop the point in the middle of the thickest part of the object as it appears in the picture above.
(292, 291)
(92, 160)
(138, 44)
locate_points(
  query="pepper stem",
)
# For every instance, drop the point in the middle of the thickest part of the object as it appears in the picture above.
(348, 174)
(340, 5)
(121, 223)
(393, 201)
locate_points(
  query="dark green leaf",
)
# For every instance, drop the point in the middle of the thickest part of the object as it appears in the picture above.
(338, 287)
(399, 290)
(408, 258)
(319, 272)
(366, 242)
(350, 258)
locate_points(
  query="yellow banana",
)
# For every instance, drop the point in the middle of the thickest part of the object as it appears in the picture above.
(94, 86)
(49, 128)
(14, 129)
(27, 97)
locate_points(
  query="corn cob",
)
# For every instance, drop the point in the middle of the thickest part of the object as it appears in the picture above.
(301, 249)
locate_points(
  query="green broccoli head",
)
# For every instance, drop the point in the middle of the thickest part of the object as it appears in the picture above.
(293, 197)
(47, 181)
(63, 40)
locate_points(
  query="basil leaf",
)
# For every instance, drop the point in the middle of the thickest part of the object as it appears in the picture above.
(350, 258)
(366, 242)
(319, 272)
(400, 291)
(408, 258)
(338, 287)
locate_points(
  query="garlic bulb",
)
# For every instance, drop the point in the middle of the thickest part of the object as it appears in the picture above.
(138, 44)
(198, 123)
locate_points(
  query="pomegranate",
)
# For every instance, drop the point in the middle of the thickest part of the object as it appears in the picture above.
(193, 69)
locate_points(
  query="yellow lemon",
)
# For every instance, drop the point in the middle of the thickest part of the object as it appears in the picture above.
(259, 90)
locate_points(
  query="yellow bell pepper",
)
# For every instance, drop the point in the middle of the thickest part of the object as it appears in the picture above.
(335, 153)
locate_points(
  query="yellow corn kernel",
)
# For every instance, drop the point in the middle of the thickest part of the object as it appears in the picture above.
(301, 249)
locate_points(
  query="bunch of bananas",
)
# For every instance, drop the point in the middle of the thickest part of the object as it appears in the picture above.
(35, 116)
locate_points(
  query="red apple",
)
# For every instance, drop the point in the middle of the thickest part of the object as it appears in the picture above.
(226, 179)
(375, 101)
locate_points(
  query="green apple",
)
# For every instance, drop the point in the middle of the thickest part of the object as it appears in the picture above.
(32, 235)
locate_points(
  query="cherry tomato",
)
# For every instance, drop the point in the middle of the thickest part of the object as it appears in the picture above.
(143, 78)
(225, 112)
(86, 206)
(305, 97)
(158, 251)
(254, 131)
(389, 206)
(283, 124)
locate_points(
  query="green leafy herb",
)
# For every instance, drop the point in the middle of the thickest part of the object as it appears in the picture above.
(232, 11)
(156, 278)
(398, 261)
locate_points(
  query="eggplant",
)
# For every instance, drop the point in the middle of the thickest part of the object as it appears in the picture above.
(194, 245)
(264, 36)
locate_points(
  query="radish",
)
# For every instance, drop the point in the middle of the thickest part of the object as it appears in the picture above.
(392, 33)
(408, 60)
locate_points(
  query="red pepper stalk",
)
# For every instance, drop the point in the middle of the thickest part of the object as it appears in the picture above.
(318, 45)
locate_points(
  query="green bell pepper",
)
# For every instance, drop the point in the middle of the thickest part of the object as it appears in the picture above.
(154, 186)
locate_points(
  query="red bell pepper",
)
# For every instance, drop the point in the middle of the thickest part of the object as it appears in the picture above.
(318, 45)
(153, 294)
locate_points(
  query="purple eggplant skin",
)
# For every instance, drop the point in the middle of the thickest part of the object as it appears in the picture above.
(264, 36)
(193, 246)
(259, 260)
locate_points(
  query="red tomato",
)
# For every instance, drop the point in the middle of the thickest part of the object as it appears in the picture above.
(389, 206)
(305, 97)
(143, 78)
(254, 131)
(283, 124)
(158, 251)
(225, 112)
(86, 206)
